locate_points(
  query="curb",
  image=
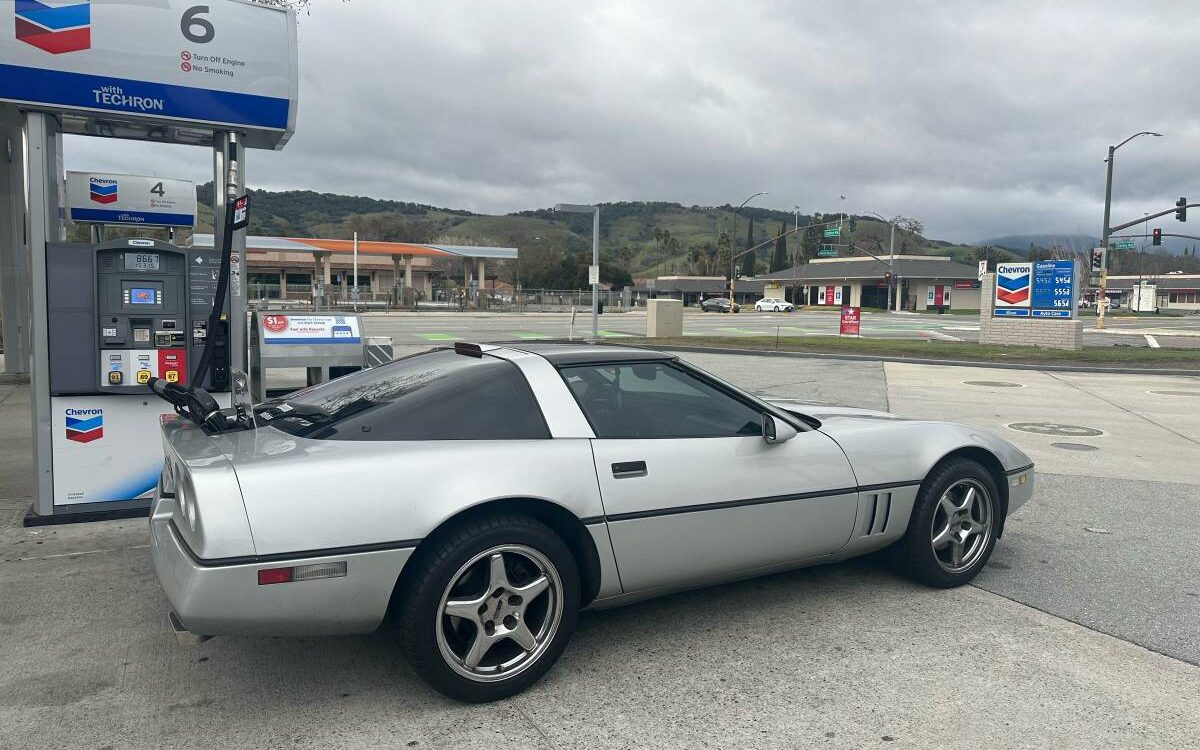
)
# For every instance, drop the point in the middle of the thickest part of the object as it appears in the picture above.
(925, 361)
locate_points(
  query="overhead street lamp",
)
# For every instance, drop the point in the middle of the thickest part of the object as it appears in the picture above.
(1105, 231)
(891, 261)
(594, 271)
(732, 235)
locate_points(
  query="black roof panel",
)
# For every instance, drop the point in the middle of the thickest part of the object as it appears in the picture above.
(582, 354)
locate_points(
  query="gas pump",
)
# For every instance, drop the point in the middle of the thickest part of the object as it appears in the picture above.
(120, 314)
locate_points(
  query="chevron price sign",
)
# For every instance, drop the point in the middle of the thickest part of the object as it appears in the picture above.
(1045, 289)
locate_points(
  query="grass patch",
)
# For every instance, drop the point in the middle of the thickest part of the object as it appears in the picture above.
(1112, 356)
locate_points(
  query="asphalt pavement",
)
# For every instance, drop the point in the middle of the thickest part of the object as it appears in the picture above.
(442, 327)
(1081, 632)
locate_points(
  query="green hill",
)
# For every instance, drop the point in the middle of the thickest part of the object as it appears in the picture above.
(637, 239)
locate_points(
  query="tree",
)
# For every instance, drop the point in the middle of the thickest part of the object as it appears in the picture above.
(908, 232)
(811, 241)
(724, 255)
(391, 227)
(779, 258)
(748, 258)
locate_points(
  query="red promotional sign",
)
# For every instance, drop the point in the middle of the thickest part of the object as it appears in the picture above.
(849, 321)
(275, 323)
(829, 295)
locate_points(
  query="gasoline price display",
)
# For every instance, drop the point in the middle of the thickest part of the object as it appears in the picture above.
(1053, 289)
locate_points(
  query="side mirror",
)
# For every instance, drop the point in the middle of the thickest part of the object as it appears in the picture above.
(776, 430)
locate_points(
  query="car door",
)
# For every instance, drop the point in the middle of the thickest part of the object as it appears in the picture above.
(691, 490)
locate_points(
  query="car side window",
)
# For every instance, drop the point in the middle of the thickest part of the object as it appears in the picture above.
(657, 400)
(439, 395)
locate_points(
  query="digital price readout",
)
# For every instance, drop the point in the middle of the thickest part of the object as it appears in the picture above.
(1053, 289)
(141, 262)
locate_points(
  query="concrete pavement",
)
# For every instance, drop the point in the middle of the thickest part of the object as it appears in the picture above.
(1054, 647)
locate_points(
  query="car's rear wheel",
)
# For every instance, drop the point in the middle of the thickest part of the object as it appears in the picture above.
(489, 607)
(952, 530)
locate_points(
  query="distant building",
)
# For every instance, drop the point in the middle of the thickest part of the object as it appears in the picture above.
(1174, 291)
(926, 282)
(289, 268)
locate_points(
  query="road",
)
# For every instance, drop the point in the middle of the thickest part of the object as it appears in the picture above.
(1080, 633)
(434, 327)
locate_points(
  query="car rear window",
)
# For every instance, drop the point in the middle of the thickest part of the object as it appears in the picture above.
(438, 395)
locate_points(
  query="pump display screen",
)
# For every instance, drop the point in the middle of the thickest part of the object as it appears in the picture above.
(141, 262)
(141, 296)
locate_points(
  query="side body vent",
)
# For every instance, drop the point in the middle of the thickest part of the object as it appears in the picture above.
(877, 513)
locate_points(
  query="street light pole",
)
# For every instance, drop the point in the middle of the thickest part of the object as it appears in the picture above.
(577, 208)
(891, 262)
(733, 255)
(596, 266)
(1101, 297)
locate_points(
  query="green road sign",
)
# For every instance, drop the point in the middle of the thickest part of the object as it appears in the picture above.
(1124, 244)
(833, 232)
(825, 251)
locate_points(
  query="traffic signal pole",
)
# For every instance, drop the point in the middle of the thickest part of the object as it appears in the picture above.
(1100, 296)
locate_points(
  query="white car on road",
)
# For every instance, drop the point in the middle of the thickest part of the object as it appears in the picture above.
(772, 304)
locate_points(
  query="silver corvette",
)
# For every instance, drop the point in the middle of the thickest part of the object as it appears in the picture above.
(474, 499)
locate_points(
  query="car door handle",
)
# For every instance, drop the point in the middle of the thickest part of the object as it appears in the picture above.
(629, 469)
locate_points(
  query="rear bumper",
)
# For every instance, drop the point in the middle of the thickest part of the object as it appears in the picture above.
(227, 599)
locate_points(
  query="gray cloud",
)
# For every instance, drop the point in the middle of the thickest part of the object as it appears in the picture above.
(980, 118)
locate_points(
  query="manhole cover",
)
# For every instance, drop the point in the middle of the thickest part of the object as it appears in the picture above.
(1074, 446)
(1176, 393)
(1054, 428)
(993, 383)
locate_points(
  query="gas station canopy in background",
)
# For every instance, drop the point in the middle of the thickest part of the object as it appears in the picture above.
(169, 70)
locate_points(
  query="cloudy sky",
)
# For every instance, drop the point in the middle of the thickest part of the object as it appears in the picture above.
(979, 118)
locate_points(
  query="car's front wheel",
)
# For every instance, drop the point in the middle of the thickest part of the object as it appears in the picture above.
(952, 530)
(489, 607)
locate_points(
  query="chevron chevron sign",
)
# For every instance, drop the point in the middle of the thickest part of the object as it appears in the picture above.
(1013, 284)
(54, 26)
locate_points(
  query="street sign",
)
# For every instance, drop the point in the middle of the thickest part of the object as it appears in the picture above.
(833, 232)
(1124, 244)
(982, 269)
(827, 251)
(593, 275)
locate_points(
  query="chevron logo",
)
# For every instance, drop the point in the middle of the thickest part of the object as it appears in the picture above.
(54, 26)
(101, 190)
(85, 425)
(1013, 281)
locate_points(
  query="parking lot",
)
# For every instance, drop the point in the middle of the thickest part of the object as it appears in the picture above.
(1080, 633)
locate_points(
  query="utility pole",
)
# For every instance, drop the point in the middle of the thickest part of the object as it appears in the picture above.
(733, 255)
(1105, 231)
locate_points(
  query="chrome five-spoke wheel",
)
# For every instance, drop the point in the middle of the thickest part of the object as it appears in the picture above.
(499, 613)
(962, 525)
(952, 529)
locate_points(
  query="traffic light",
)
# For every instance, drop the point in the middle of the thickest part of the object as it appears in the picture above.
(1180, 210)
(1156, 237)
(1097, 259)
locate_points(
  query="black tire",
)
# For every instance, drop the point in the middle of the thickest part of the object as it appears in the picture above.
(418, 615)
(915, 553)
